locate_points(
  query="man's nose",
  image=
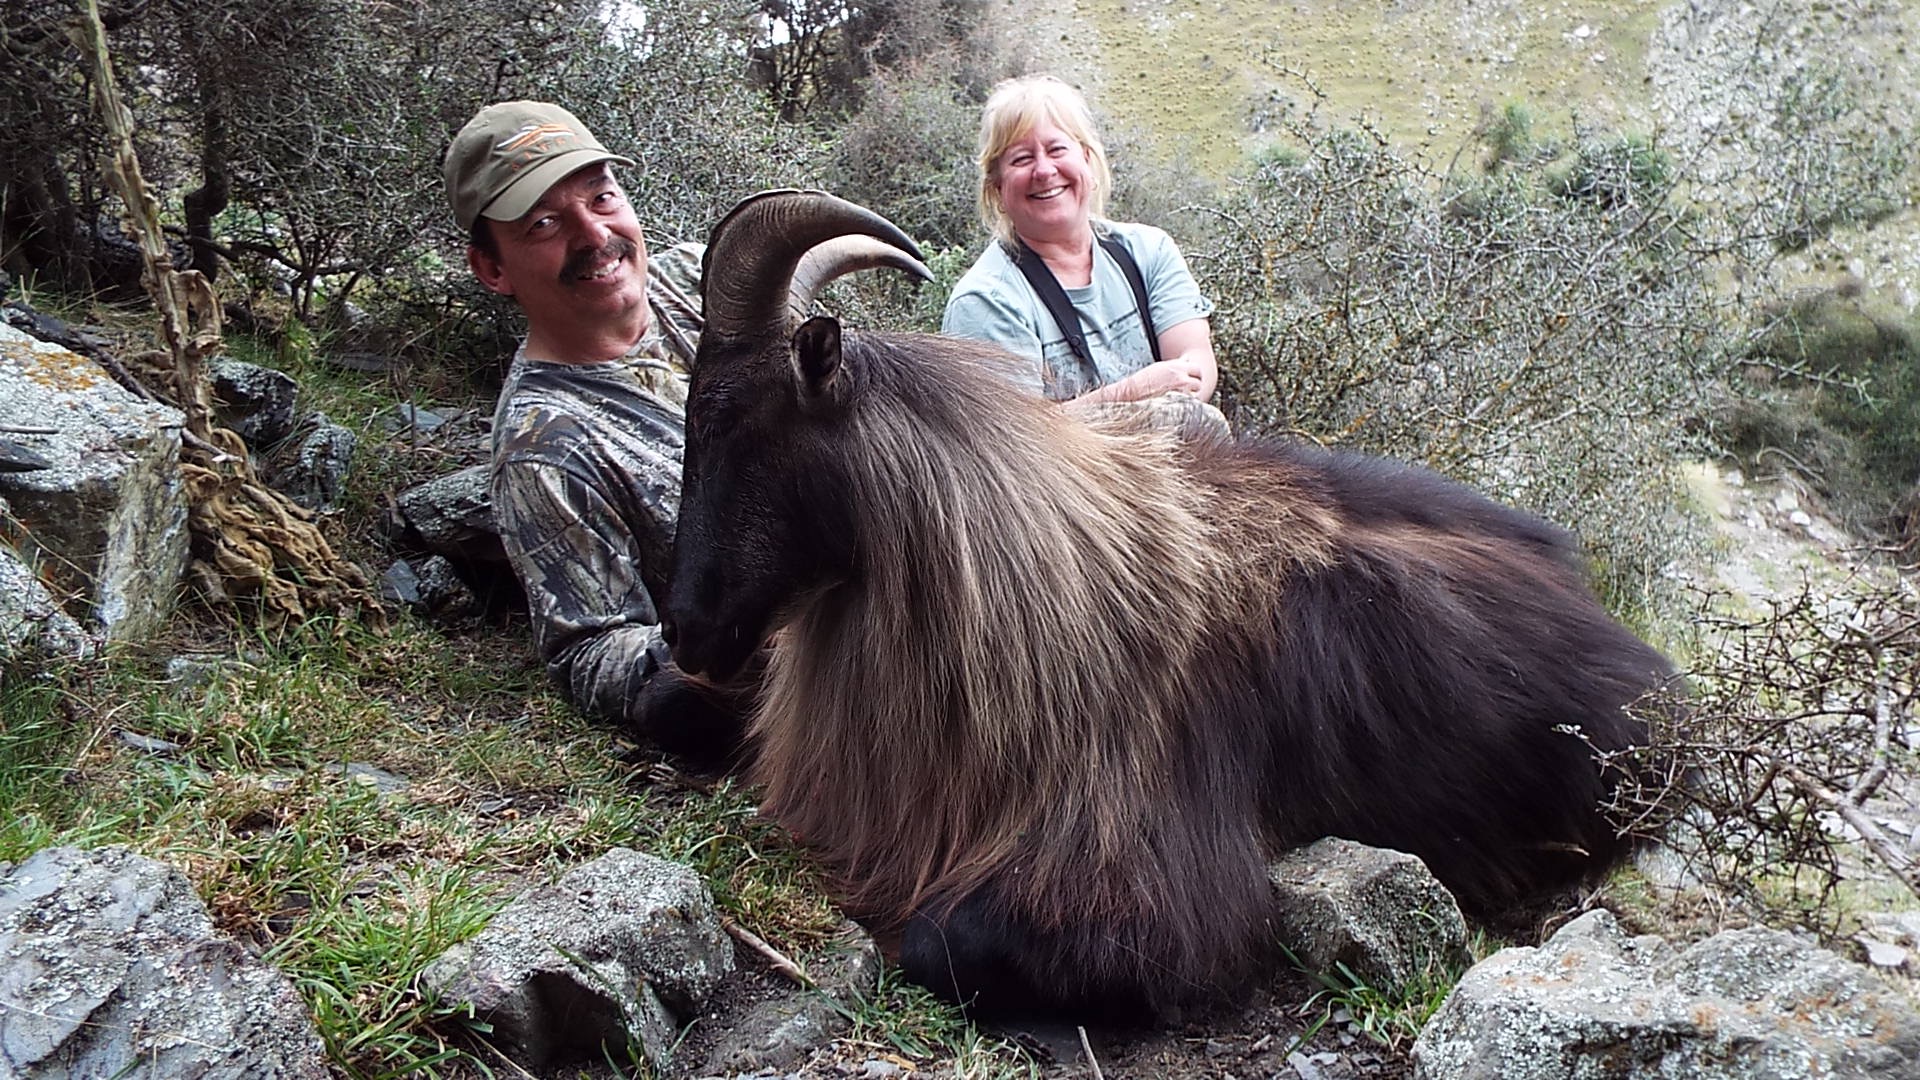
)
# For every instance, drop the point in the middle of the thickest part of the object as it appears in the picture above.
(589, 229)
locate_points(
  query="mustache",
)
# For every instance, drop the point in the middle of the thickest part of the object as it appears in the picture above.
(616, 247)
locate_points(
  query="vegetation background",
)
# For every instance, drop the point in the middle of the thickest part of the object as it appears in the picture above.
(1555, 250)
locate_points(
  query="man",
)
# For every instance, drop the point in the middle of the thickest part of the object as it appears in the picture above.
(589, 429)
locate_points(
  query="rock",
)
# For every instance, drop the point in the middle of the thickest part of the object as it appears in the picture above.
(1378, 912)
(620, 951)
(105, 527)
(400, 584)
(257, 402)
(1742, 1004)
(779, 1034)
(452, 515)
(434, 588)
(33, 628)
(407, 417)
(113, 968)
(312, 470)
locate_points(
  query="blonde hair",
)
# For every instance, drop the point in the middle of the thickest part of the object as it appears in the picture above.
(1016, 107)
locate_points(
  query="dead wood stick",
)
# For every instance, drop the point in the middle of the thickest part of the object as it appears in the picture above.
(1883, 846)
(768, 953)
(1086, 1047)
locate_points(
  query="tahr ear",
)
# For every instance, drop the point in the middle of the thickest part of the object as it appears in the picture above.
(816, 359)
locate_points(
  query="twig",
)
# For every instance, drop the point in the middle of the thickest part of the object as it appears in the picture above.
(768, 953)
(1086, 1048)
(1876, 839)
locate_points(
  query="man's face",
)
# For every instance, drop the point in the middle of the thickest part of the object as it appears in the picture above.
(576, 262)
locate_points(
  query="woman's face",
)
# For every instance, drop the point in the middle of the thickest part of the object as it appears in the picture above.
(1045, 184)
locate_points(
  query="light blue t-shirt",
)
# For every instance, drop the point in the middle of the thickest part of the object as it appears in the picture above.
(994, 303)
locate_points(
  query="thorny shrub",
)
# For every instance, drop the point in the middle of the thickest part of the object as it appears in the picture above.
(1546, 348)
(1765, 787)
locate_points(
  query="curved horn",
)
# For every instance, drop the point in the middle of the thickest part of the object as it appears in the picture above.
(843, 255)
(749, 274)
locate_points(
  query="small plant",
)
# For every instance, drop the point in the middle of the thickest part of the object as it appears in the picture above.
(1390, 1016)
(1508, 135)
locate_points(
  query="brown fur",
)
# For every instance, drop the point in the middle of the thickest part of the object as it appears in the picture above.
(1078, 684)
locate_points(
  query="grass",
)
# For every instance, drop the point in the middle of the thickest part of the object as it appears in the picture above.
(259, 784)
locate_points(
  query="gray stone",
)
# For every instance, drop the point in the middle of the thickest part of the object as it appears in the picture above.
(312, 470)
(409, 417)
(1741, 1005)
(780, 1033)
(105, 527)
(113, 968)
(400, 584)
(1379, 913)
(452, 515)
(442, 592)
(33, 627)
(259, 403)
(619, 952)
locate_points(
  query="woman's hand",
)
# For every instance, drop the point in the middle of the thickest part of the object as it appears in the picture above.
(1180, 375)
(1189, 369)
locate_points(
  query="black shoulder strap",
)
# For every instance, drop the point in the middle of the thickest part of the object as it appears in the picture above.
(1132, 269)
(1047, 288)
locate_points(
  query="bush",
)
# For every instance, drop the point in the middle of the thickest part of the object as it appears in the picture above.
(1546, 350)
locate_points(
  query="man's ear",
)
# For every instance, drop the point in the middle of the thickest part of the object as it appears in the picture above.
(489, 271)
(816, 359)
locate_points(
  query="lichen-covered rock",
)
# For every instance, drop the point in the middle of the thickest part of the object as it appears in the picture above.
(1595, 1004)
(1380, 913)
(110, 966)
(452, 515)
(621, 951)
(105, 525)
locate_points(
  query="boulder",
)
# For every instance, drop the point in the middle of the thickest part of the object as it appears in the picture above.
(1380, 914)
(1742, 1005)
(257, 402)
(619, 953)
(105, 525)
(113, 968)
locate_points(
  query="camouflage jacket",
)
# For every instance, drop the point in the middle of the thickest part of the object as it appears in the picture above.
(586, 487)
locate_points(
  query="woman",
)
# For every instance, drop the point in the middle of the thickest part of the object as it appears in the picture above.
(1043, 187)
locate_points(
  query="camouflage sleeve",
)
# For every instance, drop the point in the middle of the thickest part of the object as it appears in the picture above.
(594, 622)
(673, 287)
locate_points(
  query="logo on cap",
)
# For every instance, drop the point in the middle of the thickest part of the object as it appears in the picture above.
(534, 141)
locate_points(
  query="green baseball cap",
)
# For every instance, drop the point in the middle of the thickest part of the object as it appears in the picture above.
(509, 154)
